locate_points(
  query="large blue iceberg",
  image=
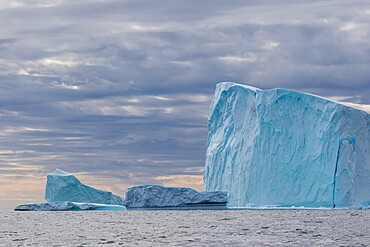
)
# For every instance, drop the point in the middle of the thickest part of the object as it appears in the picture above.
(284, 148)
(156, 196)
(62, 186)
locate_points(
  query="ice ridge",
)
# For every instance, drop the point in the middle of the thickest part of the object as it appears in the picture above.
(157, 196)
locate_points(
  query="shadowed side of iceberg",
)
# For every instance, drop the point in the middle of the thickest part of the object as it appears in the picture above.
(156, 196)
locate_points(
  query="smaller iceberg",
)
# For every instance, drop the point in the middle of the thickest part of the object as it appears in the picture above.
(64, 192)
(67, 206)
(156, 196)
(62, 186)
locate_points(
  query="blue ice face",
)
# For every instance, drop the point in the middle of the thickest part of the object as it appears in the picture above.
(285, 148)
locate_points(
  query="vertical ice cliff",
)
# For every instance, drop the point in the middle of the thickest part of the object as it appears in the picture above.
(64, 187)
(284, 148)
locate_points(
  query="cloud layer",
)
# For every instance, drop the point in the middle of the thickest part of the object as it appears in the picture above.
(118, 91)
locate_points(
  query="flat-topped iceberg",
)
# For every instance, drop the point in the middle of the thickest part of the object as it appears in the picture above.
(62, 186)
(284, 148)
(155, 196)
(67, 206)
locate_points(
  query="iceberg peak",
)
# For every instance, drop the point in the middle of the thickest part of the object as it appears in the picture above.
(63, 186)
(59, 172)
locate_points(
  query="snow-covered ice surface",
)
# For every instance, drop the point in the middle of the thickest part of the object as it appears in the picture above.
(62, 186)
(187, 228)
(152, 196)
(284, 148)
(67, 206)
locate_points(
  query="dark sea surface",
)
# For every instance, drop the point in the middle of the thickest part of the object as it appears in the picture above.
(187, 228)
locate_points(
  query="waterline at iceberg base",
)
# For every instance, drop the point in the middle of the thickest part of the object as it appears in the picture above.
(282, 148)
(68, 206)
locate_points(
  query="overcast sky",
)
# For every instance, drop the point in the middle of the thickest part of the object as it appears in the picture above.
(118, 92)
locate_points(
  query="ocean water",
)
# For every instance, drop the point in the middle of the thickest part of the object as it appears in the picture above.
(187, 228)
